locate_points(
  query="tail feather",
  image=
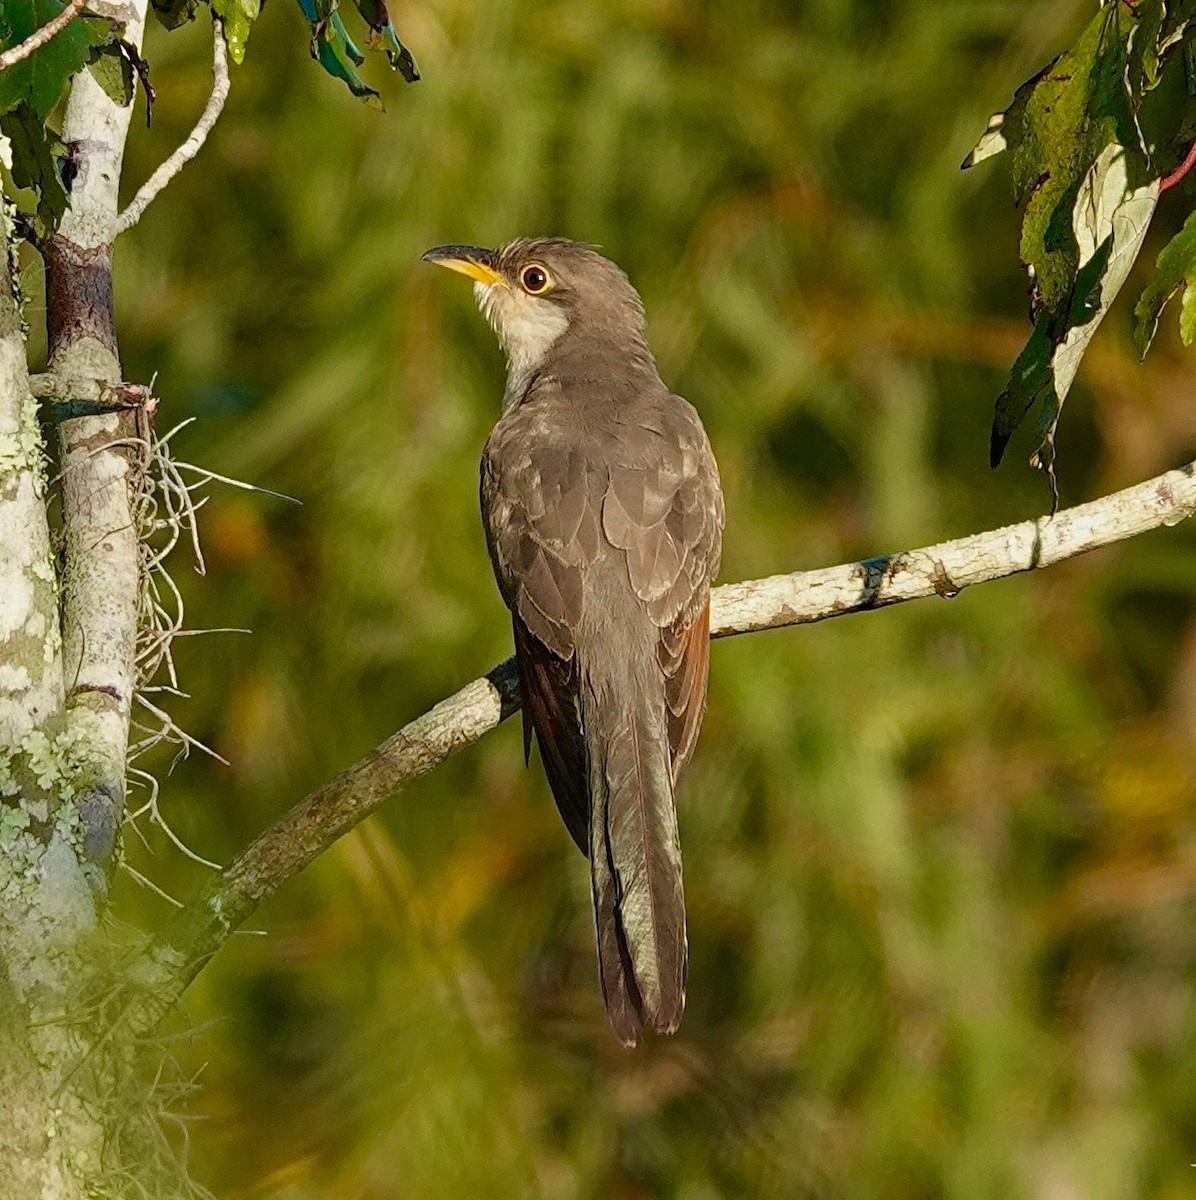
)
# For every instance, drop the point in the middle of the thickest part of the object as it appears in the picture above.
(635, 860)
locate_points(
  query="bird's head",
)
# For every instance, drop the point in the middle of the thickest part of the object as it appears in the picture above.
(538, 293)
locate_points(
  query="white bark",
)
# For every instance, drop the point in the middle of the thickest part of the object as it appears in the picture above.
(947, 568)
(30, 659)
(102, 568)
(63, 779)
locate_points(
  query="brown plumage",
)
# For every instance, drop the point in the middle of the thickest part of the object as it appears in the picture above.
(604, 519)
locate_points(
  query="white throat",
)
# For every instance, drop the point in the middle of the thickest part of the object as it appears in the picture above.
(527, 328)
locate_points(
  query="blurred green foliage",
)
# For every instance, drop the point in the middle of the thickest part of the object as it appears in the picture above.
(940, 859)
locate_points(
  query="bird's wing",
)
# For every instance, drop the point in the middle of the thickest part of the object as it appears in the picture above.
(549, 686)
(541, 505)
(664, 509)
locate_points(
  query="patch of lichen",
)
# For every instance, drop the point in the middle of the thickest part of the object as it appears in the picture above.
(35, 644)
(23, 450)
(39, 780)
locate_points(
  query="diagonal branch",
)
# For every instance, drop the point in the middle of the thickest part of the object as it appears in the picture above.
(149, 190)
(803, 597)
(39, 37)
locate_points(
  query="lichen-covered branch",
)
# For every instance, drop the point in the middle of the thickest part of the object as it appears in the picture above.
(195, 140)
(30, 658)
(795, 599)
(62, 779)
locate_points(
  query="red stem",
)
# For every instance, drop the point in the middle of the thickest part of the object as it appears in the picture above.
(1180, 171)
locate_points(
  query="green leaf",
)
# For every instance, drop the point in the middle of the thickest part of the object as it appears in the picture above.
(173, 13)
(1049, 152)
(1083, 181)
(336, 52)
(37, 152)
(112, 68)
(1145, 48)
(1187, 316)
(1109, 219)
(1175, 268)
(1055, 127)
(350, 46)
(317, 11)
(1030, 383)
(382, 31)
(1178, 15)
(41, 79)
(238, 16)
(330, 47)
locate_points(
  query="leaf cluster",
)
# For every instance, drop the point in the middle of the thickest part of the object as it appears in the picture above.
(331, 45)
(34, 87)
(32, 90)
(1090, 147)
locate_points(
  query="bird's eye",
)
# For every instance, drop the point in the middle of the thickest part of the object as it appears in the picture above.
(534, 279)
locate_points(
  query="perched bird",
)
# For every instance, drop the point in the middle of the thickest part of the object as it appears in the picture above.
(604, 519)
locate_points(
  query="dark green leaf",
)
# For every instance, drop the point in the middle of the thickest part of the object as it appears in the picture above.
(317, 11)
(341, 32)
(399, 56)
(112, 69)
(173, 13)
(1175, 268)
(374, 13)
(1050, 153)
(1087, 192)
(1031, 382)
(328, 47)
(335, 50)
(1144, 65)
(377, 17)
(1178, 15)
(37, 153)
(41, 79)
(1109, 219)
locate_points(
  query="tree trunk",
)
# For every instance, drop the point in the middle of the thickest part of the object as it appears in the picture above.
(66, 687)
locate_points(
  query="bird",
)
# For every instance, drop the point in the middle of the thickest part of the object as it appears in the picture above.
(603, 514)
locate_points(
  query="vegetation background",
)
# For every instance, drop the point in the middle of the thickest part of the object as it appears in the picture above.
(940, 859)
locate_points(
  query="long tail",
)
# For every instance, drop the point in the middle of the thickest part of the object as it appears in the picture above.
(635, 857)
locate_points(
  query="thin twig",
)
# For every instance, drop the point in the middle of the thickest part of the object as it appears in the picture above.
(803, 597)
(191, 147)
(39, 37)
(1180, 171)
(149, 885)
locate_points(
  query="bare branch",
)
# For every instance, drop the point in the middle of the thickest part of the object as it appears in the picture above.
(41, 36)
(946, 569)
(796, 599)
(191, 147)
